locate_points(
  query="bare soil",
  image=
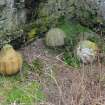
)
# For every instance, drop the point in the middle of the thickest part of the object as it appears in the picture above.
(65, 85)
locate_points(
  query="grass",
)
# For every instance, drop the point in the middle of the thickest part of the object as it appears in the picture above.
(17, 89)
(25, 93)
(37, 66)
(71, 60)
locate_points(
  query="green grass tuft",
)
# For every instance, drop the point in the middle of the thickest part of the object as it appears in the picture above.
(20, 89)
(27, 94)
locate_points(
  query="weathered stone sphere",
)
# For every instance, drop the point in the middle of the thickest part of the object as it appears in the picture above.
(87, 51)
(55, 37)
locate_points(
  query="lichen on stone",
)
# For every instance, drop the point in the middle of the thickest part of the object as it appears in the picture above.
(55, 37)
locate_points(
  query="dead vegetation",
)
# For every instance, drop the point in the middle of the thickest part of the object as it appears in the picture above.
(64, 85)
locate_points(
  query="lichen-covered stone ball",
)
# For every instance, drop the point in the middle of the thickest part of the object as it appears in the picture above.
(87, 51)
(55, 37)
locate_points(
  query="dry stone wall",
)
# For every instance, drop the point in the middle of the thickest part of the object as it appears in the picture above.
(13, 14)
(86, 11)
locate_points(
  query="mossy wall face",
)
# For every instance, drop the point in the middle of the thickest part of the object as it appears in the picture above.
(12, 16)
(89, 12)
(51, 10)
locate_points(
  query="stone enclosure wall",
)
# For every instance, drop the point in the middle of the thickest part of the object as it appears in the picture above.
(86, 11)
(12, 16)
(13, 13)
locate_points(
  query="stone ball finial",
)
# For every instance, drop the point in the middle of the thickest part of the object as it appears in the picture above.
(10, 60)
(55, 37)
